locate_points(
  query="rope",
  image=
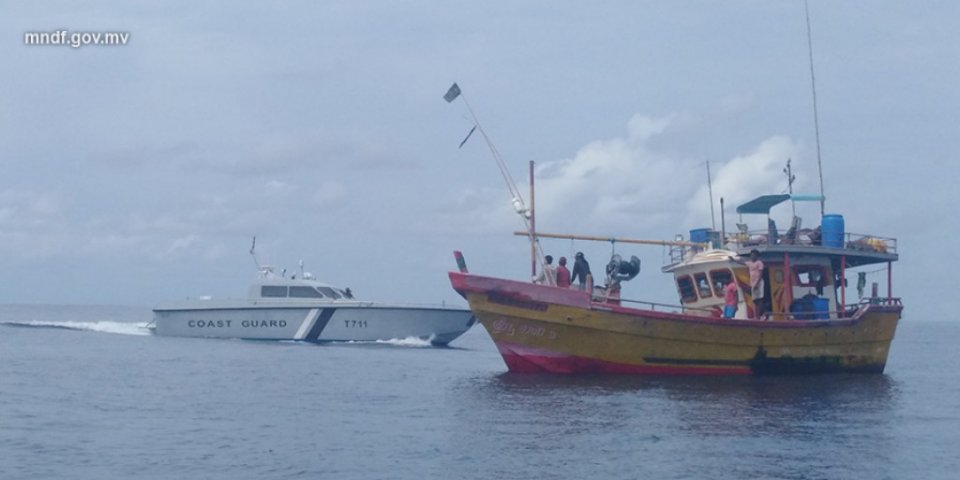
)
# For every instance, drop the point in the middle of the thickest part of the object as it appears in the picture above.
(514, 192)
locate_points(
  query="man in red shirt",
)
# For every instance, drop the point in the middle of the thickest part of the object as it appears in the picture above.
(730, 299)
(563, 275)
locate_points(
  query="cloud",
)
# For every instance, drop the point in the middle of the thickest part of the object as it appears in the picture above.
(611, 183)
(30, 210)
(628, 186)
(744, 177)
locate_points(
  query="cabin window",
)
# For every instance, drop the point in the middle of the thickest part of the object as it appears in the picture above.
(305, 292)
(329, 292)
(703, 286)
(273, 291)
(809, 276)
(720, 279)
(687, 292)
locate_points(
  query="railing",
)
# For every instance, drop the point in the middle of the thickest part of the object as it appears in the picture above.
(804, 237)
(854, 241)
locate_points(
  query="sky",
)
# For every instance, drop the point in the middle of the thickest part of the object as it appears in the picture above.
(139, 173)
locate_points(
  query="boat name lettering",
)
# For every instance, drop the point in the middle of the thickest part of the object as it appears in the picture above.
(510, 329)
(516, 302)
(209, 323)
(503, 326)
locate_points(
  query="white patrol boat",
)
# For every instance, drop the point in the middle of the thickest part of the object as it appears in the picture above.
(290, 308)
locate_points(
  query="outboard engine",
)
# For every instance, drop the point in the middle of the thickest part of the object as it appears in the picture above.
(621, 271)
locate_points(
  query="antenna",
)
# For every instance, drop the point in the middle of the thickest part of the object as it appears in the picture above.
(253, 253)
(713, 218)
(790, 178)
(816, 121)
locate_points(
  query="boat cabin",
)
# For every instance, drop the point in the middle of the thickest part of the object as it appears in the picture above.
(272, 286)
(804, 274)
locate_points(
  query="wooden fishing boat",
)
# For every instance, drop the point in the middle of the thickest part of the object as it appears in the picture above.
(806, 326)
(799, 322)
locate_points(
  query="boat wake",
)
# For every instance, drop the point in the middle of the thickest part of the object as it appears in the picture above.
(105, 326)
(407, 342)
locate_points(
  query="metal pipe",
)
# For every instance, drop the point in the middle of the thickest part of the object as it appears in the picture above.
(889, 283)
(533, 228)
(843, 285)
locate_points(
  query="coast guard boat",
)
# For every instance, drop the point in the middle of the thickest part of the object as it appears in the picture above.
(278, 307)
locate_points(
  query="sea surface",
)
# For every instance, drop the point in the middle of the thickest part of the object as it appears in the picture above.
(87, 393)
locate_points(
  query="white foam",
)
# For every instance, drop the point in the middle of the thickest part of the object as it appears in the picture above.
(105, 326)
(407, 342)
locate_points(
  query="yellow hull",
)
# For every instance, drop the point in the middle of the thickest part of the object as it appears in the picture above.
(544, 329)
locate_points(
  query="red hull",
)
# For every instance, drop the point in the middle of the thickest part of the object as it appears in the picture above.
(524, 359)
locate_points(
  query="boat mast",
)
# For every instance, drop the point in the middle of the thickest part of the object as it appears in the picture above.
(790, 178)
(533, 227)
(816, 121)
(516, 198)
(713, 218)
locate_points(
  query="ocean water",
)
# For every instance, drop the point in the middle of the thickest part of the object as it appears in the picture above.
(87, 392)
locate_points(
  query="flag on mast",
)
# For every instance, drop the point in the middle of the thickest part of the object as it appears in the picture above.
(452, 93)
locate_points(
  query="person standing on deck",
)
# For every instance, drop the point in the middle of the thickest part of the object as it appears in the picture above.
(563, 274)
(581, 270)
(730, 299)
(755, 265)
(548, 275)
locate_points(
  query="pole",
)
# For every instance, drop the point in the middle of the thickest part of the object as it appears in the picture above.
(793, 204)
(788, 278)
(613, 239)
(533, 228)
(889, 283)
(723, 226)
(816, 120)
(843, 285)
(713, 218)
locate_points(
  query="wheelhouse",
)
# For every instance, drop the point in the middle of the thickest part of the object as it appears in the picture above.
(805, 270)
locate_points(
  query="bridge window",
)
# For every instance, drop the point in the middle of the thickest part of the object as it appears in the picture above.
(809, 276)
(273, 291)
(329, 292)
(305, 292)
(720, 279)
(703, 286)
(687, 292)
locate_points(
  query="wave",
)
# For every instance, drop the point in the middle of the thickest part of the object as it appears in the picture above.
(105, 326)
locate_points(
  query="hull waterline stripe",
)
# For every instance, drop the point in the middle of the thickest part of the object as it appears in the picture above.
(306, 324)
(321, 322)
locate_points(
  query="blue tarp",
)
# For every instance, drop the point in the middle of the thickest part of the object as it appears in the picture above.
(764, 203)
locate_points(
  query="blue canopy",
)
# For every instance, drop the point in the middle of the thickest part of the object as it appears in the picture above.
(764, 203)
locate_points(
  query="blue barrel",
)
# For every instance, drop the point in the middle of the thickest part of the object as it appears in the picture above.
(700, 235)
(831, 227)
(821, 308)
